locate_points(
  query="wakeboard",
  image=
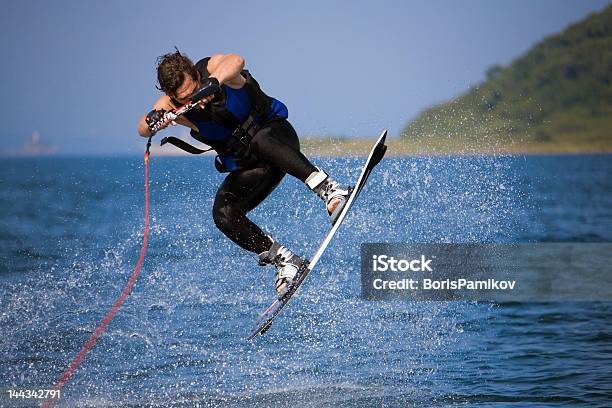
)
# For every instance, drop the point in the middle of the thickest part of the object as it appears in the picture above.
(267, 317)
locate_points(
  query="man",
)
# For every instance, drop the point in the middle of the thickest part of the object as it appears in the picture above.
(255, 143)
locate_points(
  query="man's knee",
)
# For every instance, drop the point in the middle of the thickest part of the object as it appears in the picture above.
(223, 217)
(227, 212)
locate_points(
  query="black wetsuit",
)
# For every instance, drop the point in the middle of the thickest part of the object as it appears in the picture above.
(274, 151)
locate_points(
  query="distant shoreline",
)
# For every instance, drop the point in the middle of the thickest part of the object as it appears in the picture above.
(399, 147)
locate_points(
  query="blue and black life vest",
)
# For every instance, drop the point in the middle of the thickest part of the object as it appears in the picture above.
(229, 121)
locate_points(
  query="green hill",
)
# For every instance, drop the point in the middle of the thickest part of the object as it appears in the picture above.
(556, 97)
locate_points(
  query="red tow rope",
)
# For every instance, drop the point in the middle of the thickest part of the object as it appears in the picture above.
(89, 344)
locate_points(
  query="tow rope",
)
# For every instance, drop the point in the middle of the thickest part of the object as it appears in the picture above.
(89, 344)
(209, 88)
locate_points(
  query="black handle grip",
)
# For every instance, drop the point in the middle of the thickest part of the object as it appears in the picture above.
(210, 87)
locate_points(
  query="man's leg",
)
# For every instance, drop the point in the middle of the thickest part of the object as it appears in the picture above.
(278, 144)
(240, 192)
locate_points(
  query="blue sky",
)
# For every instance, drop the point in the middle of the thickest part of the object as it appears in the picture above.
(81, 73)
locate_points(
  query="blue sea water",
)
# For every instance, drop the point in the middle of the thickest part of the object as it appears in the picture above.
(70, 235)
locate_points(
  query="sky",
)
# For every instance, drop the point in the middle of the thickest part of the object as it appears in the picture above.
(81, 73)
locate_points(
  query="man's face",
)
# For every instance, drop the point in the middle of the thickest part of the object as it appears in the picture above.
(187, 88)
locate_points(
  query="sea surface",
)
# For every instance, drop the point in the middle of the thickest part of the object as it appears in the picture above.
(71, 231)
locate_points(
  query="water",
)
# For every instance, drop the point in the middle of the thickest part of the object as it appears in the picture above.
(70, 235)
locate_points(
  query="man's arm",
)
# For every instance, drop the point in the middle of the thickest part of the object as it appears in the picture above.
(226, 69)
(162, 103)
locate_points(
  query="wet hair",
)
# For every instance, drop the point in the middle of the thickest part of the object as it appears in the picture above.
(171, 71)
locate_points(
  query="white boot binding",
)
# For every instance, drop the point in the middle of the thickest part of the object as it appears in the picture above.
(327, 189)
(287, 265)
